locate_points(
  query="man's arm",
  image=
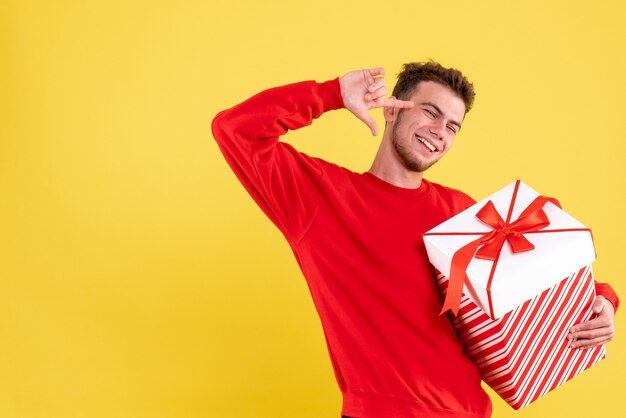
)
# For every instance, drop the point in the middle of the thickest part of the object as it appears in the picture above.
(284, 182)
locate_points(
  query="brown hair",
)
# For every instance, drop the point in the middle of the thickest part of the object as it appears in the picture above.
(415, 72)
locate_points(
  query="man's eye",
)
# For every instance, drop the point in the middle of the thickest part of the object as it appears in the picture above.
(451, 129)
(429, 113)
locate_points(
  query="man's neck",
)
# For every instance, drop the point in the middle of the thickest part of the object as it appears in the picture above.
(388, 167)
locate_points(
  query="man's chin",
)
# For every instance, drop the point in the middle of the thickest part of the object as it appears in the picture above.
(419, 166)
(411, 159)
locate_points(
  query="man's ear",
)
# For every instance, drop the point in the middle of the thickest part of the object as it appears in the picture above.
(390, 113)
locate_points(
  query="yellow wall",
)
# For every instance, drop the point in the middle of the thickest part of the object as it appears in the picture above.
(137, 278)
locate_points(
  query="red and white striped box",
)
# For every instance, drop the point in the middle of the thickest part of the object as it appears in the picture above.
(524, 354)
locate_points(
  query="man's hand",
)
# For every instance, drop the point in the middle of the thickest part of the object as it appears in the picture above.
(363, 90)
(596, 331)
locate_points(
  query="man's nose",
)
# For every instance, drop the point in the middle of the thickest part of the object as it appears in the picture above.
(438, 128)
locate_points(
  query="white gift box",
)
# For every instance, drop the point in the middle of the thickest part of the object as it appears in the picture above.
(517, 277)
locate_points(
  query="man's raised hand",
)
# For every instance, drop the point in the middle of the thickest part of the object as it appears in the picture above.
(363, 90)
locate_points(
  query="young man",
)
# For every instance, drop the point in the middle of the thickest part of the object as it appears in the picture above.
(357, 237)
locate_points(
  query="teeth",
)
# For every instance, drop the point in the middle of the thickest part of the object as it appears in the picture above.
(430, 146)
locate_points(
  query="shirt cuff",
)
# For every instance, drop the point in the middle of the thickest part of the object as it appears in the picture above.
(330, 92)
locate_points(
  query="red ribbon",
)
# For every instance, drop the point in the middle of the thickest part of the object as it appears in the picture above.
(532, 219)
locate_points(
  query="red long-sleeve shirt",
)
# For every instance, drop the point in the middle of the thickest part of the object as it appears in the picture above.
(358, 242)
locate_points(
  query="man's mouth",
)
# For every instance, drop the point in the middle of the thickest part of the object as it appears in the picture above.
(427, 143)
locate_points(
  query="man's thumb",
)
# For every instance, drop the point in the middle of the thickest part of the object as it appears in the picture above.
(369, 121)
(598, 305)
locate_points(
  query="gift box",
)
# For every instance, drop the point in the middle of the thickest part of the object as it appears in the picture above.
(524, 354)
(508, 248)
(514, 269)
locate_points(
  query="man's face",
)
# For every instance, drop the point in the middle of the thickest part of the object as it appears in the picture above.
(423, 134)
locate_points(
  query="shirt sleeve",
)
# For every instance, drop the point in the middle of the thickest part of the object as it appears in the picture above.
(283, 182)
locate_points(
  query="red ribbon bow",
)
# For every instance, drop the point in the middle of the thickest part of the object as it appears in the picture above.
(532, 219)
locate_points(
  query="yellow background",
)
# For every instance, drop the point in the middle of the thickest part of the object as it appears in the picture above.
(137, 278)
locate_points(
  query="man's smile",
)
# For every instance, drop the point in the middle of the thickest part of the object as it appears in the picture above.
(427, 143)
